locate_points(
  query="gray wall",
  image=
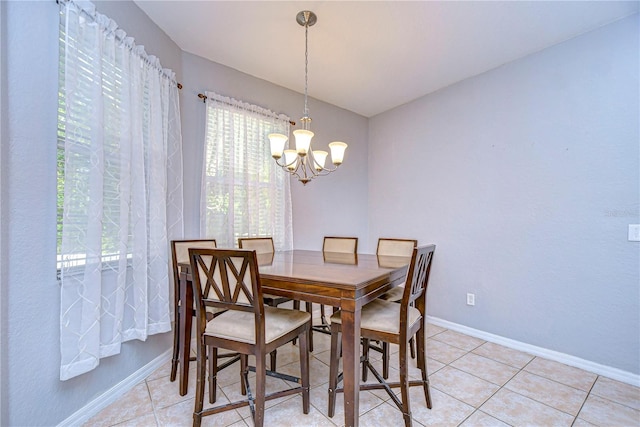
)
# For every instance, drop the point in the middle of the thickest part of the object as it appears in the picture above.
(526, 178)
(32, 393)
(331, 205)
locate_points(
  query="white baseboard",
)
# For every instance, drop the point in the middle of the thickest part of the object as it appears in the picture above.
(596, 368)
(116, 392)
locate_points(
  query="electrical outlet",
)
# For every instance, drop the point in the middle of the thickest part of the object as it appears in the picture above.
(471, 299)
(634, 232)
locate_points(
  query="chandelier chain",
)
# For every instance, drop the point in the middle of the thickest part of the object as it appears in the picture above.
(306, 68)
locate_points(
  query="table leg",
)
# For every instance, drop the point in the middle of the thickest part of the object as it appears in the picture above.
(351, 365)
(184, 334)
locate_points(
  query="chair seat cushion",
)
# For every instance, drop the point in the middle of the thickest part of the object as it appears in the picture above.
(394, 295)
(240, 325)
(382, 316)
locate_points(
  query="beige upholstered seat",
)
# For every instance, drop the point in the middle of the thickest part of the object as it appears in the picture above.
(239, 325)
(383, 316)
(264, 246)
(180, 255)
(229, 279)
(395, 323)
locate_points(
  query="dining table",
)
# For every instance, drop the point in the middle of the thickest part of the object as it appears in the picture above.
(344, 280)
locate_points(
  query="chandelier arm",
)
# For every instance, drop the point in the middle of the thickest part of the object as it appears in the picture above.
(281, 164)
(322, 168)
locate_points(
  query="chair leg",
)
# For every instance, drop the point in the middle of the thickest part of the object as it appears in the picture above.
(412, 347)
(273, 354)
(304, 370)
(261, 378)
(176, 341)
(309, 309)
(243, 369)
(385, 360)
(404, 384)
(200, 377)
(422, 365)
(213, 373)
(365, 361)
(296, 306)
(333, 369)
(323, 317)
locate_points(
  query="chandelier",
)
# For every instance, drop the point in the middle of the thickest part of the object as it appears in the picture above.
(303, 162)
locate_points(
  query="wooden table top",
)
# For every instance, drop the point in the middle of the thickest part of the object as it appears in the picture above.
(334, 269)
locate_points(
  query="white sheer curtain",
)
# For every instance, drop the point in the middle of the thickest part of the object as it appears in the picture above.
(244, 192)
(120, 173)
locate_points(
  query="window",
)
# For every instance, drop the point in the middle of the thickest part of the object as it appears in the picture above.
(119, 189)
(244, 193)
(103, 74)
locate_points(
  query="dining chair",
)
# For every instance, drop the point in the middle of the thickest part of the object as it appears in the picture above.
(229, 280)
(395, 323)
(331, 245)
(392, 247)
(180, 255)
(264, 246)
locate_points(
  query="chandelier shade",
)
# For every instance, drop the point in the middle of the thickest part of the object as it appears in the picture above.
(304, 162)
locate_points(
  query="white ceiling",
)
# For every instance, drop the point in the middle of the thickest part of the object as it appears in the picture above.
(371, 56)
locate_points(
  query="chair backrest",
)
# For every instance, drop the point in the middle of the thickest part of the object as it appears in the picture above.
(225, 279)
(346, 245)
(180, 252)
(396, 247)
(262, 245)
(415, 287)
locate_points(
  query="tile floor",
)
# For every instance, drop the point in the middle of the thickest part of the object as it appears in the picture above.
(473, 383)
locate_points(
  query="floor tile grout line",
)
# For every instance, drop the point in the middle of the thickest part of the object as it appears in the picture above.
(559, 382)
(153, 406)
(536, 400)
(611, 400)
(523, 369)
(480, 378)
(585, 399)
(500, 387)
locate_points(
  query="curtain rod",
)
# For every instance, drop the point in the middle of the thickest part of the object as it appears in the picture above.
(204, 99)
(93, 19)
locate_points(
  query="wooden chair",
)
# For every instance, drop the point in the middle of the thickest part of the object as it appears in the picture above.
(229, 280)
(395, 323)
(387, 248)
(331, 245)
(180, 255)
(264, 246)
